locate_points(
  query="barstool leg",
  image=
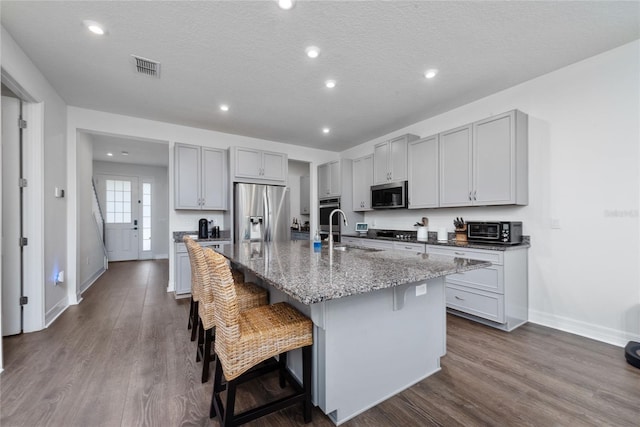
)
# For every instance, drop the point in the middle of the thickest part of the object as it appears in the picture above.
(217, 388)
(190, 313)
(282, 363)
(306, 379)
(230, 406)
(200, 340)
(194, 321)
(206, 355)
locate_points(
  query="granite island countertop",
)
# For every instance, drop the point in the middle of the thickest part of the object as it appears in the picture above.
(311, 277)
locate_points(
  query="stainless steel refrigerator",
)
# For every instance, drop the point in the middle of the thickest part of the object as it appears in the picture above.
(261, 212)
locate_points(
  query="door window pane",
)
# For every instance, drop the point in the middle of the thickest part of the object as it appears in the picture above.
(118, 201)
(146, 216)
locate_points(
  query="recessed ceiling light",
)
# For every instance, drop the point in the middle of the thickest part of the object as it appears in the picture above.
(224, 107)
(312, 52)
(286, 4)
(125, 153)
(110, 154)
(430, 73)
(330, 84)
(94, 27)
(326, 130)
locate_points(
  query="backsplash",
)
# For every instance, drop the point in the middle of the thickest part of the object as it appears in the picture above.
(405, 219)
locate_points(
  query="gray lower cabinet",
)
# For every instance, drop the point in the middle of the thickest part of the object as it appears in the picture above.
(183, 267)
(496, 295)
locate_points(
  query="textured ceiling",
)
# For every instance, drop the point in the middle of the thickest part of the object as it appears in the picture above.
(250, 55)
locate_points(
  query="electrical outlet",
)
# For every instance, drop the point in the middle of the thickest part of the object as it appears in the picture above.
(421, 289)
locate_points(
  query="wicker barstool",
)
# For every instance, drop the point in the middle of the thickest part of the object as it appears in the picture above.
(195, 287)
(249, 295)
(247, 338)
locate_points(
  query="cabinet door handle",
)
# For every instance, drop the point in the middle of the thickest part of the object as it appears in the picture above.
(459, 253)
(459, 298)
(408, 247)
(470, 195)
(474, 194)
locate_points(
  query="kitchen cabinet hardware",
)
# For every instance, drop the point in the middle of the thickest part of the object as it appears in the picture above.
(459, 298)
(459, 253)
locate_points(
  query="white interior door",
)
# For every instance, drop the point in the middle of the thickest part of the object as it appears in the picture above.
(11, 264)
(120, 204)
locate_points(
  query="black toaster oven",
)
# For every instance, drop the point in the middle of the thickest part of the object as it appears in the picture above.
(497, 232)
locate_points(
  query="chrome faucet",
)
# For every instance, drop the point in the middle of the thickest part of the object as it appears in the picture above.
(344, 219)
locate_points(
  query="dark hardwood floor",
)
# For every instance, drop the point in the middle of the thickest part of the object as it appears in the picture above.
(123, 358)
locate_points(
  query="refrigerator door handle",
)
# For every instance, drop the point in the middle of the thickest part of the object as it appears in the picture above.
(267, 217)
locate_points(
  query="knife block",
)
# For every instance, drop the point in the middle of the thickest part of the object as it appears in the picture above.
(461, 234)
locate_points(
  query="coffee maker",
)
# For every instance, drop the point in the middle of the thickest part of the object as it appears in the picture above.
(203, 228)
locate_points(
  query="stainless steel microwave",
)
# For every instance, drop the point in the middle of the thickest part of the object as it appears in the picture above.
(389, 196)
(501, 232)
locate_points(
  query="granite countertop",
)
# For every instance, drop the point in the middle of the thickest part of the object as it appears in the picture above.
(311, 277)
(224, 236)
(452, 242)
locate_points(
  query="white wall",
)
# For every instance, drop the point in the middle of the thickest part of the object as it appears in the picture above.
(115, 124)
(296, 170)
(159, 196)
(91, 254)
(584, 135)
(25, 74)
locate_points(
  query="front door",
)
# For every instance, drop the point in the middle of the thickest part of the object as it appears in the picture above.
(120, 205)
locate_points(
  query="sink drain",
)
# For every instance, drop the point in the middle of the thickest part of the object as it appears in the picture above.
(632, 353)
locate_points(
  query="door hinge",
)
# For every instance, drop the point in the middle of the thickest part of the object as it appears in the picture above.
(24, 241)
(22, 124)
(23, 182)
(24, 300)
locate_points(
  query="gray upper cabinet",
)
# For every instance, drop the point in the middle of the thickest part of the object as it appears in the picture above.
(455, 167)
(362, 181)
(305, 199)
(390, 159)
(423, 173)
(485, 163)
(329, 180)
(258, 165)
(200, 177)
(500, 160)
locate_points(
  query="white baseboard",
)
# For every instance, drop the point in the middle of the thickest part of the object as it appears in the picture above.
(584, 329)
(54, 312)
(161, 256)
(91, 280)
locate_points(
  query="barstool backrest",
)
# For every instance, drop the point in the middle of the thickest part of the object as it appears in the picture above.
(227, 312)
(199, 271)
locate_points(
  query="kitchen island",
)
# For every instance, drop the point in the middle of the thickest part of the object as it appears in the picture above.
(379, 316)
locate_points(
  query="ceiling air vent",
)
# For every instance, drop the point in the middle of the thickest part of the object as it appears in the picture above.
(146, 66)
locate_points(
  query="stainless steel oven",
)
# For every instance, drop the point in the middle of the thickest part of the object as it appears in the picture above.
(326, 207)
